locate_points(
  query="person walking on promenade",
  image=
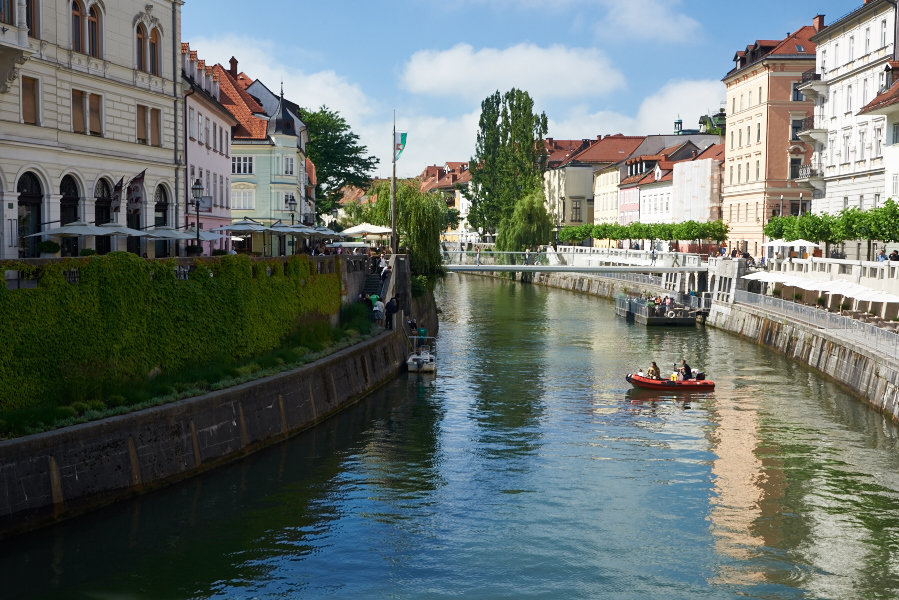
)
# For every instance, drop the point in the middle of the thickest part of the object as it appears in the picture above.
(392, 307)
(477, 254)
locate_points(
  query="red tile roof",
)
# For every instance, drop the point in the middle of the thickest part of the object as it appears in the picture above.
(608, 150)
(560, 151)
(242, 105)
(790, 45)
(715, 151)
(887, 98)
(310, 172)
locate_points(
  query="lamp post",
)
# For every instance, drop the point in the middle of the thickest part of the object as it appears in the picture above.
(197, 191)
(291, 206)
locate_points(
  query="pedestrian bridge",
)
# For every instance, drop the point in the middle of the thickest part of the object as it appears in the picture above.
(674, 271)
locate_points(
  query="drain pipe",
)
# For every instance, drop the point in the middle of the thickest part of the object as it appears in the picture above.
(176, 75)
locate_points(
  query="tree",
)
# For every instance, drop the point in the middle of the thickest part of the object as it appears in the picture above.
(885, 222)
(529, 225)
(338, 158)
(509, 158)
(420, 219)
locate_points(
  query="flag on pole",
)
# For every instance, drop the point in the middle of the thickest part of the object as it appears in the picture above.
(399, 142)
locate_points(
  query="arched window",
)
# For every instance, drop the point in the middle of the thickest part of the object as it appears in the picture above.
(161, 217)
(102, 213)
(77, 27)
(141, 48)
(30, 195)
(93, 32)
(154, 52)
(68, 212)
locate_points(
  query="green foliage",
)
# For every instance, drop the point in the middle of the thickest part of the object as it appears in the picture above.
(338, 157)
(530, 225)
(128, 317)
(686, 230)
(419, 285)
(420, 219)
(87, 252)
(509, 158)
(48, 247)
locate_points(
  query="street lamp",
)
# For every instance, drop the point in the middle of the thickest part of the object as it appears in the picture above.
(197, 191)
(291, 206)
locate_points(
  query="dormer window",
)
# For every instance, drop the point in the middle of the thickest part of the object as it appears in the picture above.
(800, 48)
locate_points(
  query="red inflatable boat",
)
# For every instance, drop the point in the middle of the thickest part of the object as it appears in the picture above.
(690, 385)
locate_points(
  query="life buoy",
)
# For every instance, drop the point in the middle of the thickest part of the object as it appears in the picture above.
(670, 314)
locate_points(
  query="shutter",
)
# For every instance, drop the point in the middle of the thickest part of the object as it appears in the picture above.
(95, 115)
(141, 124)
(77, 111)
(29, 100)
(154, 127)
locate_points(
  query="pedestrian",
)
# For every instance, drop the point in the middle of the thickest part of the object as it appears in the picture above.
(527, 256)
(894, 255)
(652, 256)
(378, 312)
(477, 252)
(392, 307)
(882, 255)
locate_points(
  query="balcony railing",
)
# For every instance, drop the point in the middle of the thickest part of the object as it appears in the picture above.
(810, 75)
(808, 123)
(808, 171)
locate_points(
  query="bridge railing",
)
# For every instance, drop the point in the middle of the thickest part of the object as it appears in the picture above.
(574, 256)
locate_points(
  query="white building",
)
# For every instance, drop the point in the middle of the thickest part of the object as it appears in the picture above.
(89, 119)
(847, 166)
(696, 194)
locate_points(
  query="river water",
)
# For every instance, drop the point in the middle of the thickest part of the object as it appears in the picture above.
(526, 468)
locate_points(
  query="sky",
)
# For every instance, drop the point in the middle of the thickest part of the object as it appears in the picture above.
(595, 67)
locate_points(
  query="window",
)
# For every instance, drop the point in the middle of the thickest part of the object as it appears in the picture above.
(750, 98)
(758, 133)
(199, 127)
(222, 140)
(576, 211)
(95, 116)
(78, 111)
(154, 52)
(876, 200)
(797, 95)
(878, 142)
(288, 165)
(864, 91)
(740, 139)
(747, 171)
(733, 105)
(758, 169)
(93, 32)
(77, 27)
(31, 18)
(141, 124)
(760, 94)
(6, 11)
(845, 157)
(861, 202)
(836, 55)
(192, 125)
(851, 48)
(731, 139)
(800, 48)
(848, 98)
(795, 127)
(823, 62)
(731, 175)
(861, 145)
(29, 100)
(748, 135)
(795, 165)
(243, 199)
(896, 133)
(141, 40)
(739, 173)
(206, 132)
(242, 165)
(867, 40)
(895, 186)
(155, 123)
(883, 33)
(833, 102)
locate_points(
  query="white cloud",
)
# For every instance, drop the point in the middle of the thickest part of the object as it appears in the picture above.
(656, 20)
(553, 72)
(258, 59)
(688, 100)
(431, 141)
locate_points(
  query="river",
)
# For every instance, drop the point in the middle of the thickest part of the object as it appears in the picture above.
(526, 468)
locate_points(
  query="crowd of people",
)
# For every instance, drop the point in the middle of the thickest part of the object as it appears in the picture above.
(882, 256)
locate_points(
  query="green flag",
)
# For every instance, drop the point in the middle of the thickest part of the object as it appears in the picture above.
(399, 142)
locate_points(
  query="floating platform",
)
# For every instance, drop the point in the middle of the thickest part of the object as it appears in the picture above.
(635, 310)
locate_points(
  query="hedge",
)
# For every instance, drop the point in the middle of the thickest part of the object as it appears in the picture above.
(127, 318)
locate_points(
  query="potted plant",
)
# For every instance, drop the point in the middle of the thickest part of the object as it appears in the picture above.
(821, 300)
(797, 296)
(776, 292)
(194, 250)
(48, 247)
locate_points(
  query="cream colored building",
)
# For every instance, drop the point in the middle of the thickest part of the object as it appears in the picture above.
(89, 119)
(764, 154)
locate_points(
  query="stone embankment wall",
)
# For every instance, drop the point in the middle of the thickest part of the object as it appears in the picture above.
(872, 376)
(53, 475)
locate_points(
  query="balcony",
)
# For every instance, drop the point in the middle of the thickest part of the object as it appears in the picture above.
(811, 175)
(811, 85)
(14, 51)
(811, 133)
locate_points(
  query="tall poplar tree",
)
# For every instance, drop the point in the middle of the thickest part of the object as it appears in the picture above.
(509, 158)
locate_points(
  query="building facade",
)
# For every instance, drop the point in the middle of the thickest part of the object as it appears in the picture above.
(853, 62)
(207, 149)
(90, 114)
(764, 154)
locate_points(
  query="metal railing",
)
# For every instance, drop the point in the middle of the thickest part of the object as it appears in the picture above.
(808, 171)
(842, 327)
(810, 75)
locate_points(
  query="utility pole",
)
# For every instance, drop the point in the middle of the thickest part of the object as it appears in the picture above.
(394, 243)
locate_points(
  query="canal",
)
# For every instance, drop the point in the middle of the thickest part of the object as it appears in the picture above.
(526, 469)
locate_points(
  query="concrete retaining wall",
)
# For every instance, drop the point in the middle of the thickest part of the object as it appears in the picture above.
(58, 474)
(872, 376)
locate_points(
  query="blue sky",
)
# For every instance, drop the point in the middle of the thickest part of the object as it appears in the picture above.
(594, 66)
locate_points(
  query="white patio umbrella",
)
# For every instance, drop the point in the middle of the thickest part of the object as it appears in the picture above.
(802, 244)
(73, 229)
(774, 243)
(243, 226)
(205, 236)
(116, 229)
(167, 232)
(364, 229)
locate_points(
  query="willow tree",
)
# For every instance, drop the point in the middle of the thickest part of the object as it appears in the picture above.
(420, 219)
(509, 158)
(528, 226)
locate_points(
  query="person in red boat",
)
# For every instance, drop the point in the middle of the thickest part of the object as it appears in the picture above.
(653, 371)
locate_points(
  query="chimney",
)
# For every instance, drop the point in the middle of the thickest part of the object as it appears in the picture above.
(233, 63)
(818, 21)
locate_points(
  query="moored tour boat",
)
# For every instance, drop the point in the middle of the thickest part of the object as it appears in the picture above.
(422, 360)
(691, 385)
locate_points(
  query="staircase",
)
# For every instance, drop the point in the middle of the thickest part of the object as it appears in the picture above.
(372, 284)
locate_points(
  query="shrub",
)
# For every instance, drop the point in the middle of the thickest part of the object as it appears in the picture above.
(821, 300)
(776, 292)
(48, 247)
(419, 286)
(797, 296)
(87, 252)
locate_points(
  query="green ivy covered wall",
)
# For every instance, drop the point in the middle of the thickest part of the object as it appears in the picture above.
(127, 317)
